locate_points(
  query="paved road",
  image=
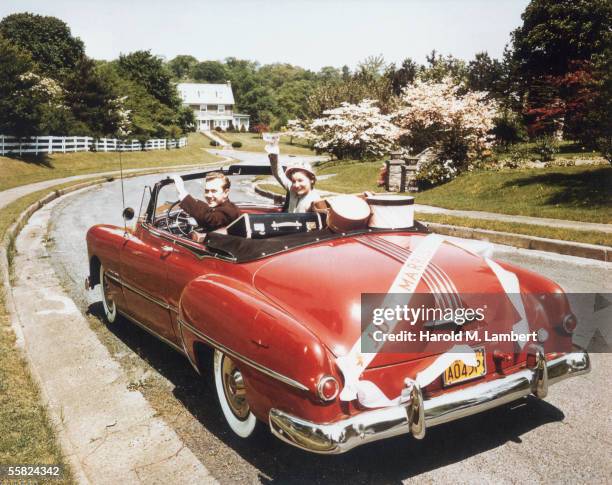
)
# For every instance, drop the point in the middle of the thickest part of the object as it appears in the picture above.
(566, 438)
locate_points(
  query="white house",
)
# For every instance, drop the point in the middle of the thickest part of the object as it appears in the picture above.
(213, 106)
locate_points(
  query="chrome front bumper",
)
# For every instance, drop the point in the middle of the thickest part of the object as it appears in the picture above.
(418, 414)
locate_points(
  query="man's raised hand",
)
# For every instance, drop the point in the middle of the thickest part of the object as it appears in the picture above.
(180, 186)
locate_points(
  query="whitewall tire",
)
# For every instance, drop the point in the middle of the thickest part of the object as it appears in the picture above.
(110, 307)
(232, 396)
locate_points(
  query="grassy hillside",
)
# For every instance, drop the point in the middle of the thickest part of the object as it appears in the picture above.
(15, 171)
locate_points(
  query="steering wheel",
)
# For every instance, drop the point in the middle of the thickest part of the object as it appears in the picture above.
(178, 220)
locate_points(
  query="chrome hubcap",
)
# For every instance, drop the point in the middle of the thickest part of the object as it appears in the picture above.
(233, 386)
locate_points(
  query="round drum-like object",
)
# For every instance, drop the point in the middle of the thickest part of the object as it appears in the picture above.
(347, 213)
(391, 211)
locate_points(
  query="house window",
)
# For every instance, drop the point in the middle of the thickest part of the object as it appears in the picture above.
(221, 108)
(203, 108)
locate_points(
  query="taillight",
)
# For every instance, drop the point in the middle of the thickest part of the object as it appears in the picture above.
(569, 323)
(328, 388)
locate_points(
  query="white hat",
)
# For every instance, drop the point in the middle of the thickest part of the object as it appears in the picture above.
(303, 166)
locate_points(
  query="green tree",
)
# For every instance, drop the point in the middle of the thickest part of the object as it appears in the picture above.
(556, 61)
(47, 39)
(209, 72)
(181, 66)
(440, 67)
(556, 33)
(484, 74)
(148, 116)
(402, 77)
(92, 100)
(22, 98)
(149, 71)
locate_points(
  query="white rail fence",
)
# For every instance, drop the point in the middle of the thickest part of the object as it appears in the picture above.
(66, 144)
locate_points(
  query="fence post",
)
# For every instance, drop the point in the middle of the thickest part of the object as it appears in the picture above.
(3, 145)
(63, 144)
(50, 144)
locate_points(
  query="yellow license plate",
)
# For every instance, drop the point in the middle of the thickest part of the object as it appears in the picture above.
(458, 371)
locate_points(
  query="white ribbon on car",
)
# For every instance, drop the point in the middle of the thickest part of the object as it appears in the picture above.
(354, 363)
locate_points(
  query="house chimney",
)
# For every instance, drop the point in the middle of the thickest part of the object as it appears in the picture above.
(229, 83)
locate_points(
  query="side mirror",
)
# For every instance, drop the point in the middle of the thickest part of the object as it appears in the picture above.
(128, 214)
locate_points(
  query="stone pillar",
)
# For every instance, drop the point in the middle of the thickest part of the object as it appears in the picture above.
(401, 174)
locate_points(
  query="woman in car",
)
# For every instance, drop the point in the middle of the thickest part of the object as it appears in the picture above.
(298, 179)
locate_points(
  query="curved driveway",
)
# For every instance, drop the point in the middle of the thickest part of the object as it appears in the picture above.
(566, 438)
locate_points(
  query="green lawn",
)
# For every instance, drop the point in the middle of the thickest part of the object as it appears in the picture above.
(582, 193)
(252, 142)
(575, 193)
(519, 228)
(20, 172)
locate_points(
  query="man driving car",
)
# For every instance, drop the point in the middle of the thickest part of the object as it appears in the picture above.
(216, 211)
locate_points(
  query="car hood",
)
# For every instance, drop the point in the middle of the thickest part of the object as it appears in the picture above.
(321, 286)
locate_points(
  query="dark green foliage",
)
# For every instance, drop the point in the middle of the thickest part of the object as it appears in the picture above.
(92, 101)
(150, 72)
(402, 77)
(556, 32)
(559, 63)
(209, 72)
(213, 143)
(181, 66)
(21, 104)
(604, 145)
(236, 144)
(47, 39)
(509, 128)
(484, 74)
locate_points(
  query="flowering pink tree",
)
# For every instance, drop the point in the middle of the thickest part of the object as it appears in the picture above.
(355, 131)
(458, 126)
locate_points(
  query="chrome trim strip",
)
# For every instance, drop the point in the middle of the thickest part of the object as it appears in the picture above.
(368, 426)
(243, 359)
(140, 292)
(152, 332)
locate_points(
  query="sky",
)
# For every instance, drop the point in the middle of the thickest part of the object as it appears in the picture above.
(307, 33)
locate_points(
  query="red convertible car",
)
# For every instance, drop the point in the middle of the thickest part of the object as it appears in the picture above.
(277, 319)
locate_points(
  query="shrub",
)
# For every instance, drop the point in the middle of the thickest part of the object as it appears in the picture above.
(435, 172)
(518, 156)
(243, 129)
(604, 145)
(509, 128)
(218, 129)
(546, 147)
(213, 143)
(237, 144)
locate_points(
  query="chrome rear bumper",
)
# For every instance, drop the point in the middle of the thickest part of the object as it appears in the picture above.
(418, 414)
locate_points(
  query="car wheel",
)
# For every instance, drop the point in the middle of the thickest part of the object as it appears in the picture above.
(110, 308)
(232, 396)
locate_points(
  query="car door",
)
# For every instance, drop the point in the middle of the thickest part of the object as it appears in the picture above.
(183, 265)
(144, 274)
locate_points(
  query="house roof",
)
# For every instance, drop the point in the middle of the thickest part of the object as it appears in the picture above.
(195, 93)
